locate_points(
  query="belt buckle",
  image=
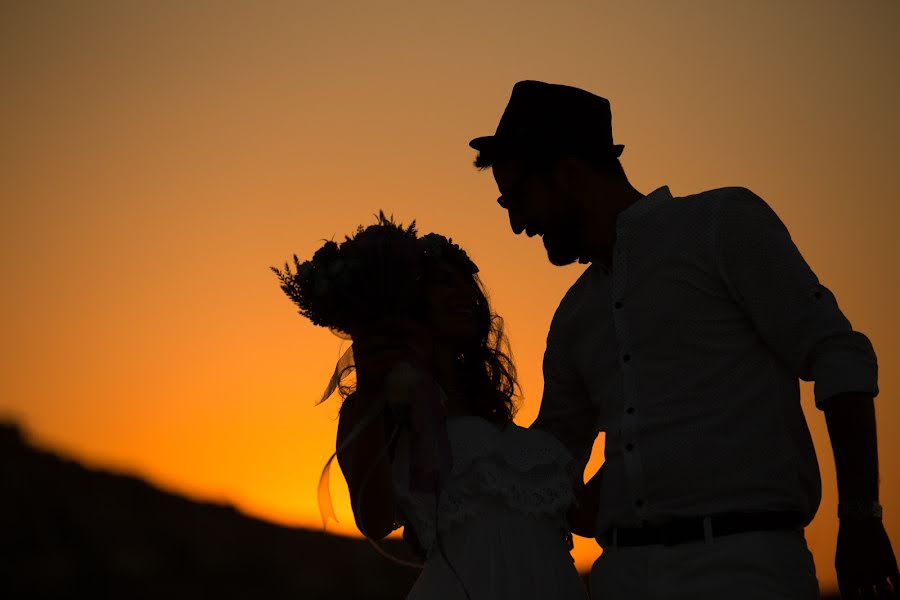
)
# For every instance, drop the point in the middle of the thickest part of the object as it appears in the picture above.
(682, 532)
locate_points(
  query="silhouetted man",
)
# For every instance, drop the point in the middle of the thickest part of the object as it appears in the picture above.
(684, 341)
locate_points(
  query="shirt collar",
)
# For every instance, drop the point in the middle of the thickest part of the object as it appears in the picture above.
(641, 207)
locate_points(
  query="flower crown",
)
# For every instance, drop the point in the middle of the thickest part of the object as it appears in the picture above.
(369, 276)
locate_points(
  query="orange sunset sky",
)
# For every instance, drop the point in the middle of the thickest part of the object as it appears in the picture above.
(158, 157)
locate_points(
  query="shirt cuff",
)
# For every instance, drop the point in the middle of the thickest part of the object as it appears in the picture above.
(842, 364)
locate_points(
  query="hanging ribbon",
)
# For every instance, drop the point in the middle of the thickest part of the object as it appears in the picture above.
(326, 506)
(341, 367)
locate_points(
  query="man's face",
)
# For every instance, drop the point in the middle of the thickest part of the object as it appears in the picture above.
(537, 206)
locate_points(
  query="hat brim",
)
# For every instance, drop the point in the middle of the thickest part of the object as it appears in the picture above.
(488, 142)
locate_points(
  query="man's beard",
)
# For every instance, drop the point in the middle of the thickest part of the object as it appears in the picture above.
(561, 248)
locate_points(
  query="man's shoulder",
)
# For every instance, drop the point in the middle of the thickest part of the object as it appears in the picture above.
(573, 297)
(725, 202)
(577, 289)
(717, 195)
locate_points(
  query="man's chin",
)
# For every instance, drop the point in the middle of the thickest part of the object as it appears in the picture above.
(560, 256)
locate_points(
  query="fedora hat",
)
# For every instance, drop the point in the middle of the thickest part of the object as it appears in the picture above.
(551, 117)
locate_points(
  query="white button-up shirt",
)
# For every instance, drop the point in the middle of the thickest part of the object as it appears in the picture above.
(687, 354)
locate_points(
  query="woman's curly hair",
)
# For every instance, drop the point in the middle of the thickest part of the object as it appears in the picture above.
(378, 274)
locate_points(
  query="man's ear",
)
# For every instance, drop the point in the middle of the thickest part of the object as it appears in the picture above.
(567, 173)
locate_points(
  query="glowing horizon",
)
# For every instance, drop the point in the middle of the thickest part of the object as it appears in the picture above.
(158, 159)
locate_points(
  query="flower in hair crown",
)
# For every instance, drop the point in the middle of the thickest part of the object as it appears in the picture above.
(437, 247)
(367, 277)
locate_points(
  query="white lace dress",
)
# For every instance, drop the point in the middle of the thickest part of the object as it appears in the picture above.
(501, 518)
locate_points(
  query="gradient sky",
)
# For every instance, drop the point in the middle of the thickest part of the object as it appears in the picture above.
(157, 157)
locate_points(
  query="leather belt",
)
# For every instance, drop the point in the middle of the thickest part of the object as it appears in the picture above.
(693, 529)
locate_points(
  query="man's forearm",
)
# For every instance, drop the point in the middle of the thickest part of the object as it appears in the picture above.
(851, 426)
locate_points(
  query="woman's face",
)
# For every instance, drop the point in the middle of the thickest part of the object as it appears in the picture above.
(452, 306)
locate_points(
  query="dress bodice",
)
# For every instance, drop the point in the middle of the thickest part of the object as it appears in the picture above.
(509, 471)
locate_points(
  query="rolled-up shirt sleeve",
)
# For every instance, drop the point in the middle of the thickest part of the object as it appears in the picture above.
(566, 410)
(793, 312)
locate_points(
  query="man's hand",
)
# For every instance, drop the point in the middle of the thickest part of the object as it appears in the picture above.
(582, 515)
(865, 562)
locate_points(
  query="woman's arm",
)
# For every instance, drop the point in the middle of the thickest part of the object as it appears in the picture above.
(374, 511)
(376, 354)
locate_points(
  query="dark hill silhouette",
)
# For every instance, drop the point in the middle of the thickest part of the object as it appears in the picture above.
(67, 531)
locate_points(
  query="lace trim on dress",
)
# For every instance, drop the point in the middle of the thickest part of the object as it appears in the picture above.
(527, 471)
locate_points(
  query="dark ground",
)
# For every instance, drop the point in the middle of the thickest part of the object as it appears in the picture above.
(67, 531)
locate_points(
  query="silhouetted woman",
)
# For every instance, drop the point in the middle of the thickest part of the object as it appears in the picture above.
(426, 439)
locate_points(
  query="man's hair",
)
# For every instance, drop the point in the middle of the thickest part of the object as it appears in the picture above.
(541, 159)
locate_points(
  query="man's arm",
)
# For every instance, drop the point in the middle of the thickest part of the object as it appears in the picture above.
(582, 515)
(851, 426)
(800, 320)
(567, 413)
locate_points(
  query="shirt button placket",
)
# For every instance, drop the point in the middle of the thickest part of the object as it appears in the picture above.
(628, 423)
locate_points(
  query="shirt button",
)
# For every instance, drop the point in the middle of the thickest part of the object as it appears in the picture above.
(630, 410)
(618, 305)
(629, 447)
(626, 357)
(639, 502)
